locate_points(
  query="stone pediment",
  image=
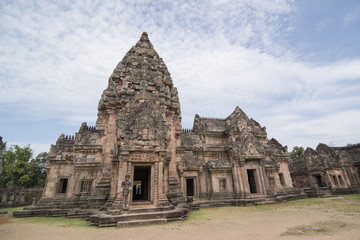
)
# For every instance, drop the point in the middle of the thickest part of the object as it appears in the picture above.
(251, 147)
(190, 162)
(272, 164)
(144, 125)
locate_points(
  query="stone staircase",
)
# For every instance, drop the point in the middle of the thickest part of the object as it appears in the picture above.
(323, 192)
(175, 194)
(141, 215)
(254, 200)
(57, 207)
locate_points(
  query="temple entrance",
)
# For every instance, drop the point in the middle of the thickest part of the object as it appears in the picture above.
(190, 187)
(252, 180)
(141, 184)
(319, 180)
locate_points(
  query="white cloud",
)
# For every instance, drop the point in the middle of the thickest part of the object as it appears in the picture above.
(56, 57)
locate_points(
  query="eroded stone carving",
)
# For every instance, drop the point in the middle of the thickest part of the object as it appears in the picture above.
(126, 187)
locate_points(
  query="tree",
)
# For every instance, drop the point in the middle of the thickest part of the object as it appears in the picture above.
(297, 153)
(36, 170)
(20, 169)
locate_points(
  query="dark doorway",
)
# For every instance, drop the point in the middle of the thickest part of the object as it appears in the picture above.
(62, 185)
(252, 181)
(335, 180)
(141, 184)
(319, 181)
(190, 187)
(282, 179)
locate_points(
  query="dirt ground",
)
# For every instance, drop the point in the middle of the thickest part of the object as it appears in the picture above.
(332, 218)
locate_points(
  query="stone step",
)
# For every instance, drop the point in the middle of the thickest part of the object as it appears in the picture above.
(106, 220)
(150, 209)
(145, 216)
(141, 222)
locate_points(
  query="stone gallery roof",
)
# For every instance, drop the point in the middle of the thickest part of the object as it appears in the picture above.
(325, 157)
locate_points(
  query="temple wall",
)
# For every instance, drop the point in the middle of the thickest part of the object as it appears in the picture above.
(284, 169)
(10, 197)
(222, 184)
(337, 179)
(108, 141)
(51, 181)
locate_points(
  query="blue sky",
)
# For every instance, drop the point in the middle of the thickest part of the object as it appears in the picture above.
(293, 66)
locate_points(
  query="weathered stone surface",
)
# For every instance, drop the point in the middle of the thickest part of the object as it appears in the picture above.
(13, 196)
(336, 168)
(138, 132)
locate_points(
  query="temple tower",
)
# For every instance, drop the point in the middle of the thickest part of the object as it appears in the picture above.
(140, 120)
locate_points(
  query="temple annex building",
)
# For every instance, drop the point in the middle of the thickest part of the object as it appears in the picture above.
(138, 158)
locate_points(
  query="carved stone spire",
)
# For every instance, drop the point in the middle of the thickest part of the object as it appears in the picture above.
(140, 70)
(141, 94)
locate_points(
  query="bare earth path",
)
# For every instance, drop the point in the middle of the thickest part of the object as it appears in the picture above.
(333, 218)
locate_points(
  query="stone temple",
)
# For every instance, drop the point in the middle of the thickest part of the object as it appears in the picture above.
(138, 133)
(334, 170)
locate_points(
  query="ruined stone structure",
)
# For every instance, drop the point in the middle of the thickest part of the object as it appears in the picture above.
(138, 132)
(13, 196)
(335, 168)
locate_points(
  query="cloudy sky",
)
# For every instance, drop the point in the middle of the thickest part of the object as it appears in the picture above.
(293, 66)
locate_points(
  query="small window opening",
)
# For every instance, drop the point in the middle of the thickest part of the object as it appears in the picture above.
(85, 186)
(222, 184)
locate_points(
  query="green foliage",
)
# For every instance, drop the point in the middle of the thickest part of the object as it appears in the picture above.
(20, 169)
(297, 153)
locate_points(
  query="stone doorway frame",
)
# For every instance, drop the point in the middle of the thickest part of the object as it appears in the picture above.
(151, 180)
(187, 180)
(253, 181)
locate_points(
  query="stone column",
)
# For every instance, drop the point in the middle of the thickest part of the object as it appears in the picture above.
(156, 184)
(211, 184)
(166, 178)
(162, 198)
(346, 178)
(198, 192)
(114, 179)
(263, 178)
(244, 179)
(120, 176)
(236, 179)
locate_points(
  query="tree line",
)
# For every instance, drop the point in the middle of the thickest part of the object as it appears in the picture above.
(21, 169)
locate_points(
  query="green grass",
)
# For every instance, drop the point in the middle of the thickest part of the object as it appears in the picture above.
(206, 214)
(346, 204)
(352, 197)
(306, 201)
(54, 221)
(11, 210)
